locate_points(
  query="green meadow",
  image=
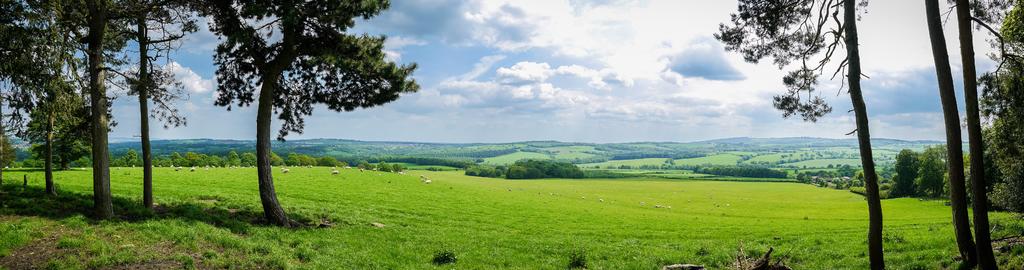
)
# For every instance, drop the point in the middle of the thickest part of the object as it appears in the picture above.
(513, 157)
(714, 160)
(634, 163)
(374, 220)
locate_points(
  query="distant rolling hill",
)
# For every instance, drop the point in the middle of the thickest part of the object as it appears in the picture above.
(503, 153)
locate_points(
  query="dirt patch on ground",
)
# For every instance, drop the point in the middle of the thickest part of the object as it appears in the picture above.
(150, 265)
(38, 253)
(1008, 243)
(35, 254)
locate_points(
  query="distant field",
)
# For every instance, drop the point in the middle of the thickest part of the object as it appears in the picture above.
(487, 223)
(513, 157)
(571, 152)
(411, 166)
(635, 163)
(719, 159)
(823, 163)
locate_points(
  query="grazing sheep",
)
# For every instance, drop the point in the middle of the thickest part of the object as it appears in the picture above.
(348, 167)
(402, 173)
(284, 170)
(177, 168)
(310, 166)
(600, 200)
(360, 169)
(192, 169)
(657, 206)
(335, 172)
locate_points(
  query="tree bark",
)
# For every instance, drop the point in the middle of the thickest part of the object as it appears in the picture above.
(102, 202)
(875, 253)
(272, 210)
(3, 136)
(143, 89)
(48, 159)
(954, 148)
(982, 235)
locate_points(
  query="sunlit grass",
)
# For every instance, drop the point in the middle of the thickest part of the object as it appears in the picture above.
(211, 218)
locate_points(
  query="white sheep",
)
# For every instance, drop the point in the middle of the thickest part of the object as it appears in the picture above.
(192, 169)
(284, 170)
(335, 172)
(177, 168)
(427, 181)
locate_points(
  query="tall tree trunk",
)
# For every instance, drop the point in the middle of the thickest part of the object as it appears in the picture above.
(3, 137)
(272, 210)
(143, 89)
(954, 148)
(982, 236)
(48, 159)
(102, 201)
(875, 253)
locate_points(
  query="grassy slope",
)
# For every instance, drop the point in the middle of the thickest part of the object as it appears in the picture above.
(513, 157)
(719, 159)
(629, 162)
(571, 152)
(489, 223)
(823, 163)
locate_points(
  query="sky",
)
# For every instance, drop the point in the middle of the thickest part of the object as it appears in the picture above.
(588, 71)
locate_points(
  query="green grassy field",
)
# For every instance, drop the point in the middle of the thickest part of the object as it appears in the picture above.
(823, 163)
(572, 152)
(513, 157)
(635, 163)
(210, 219)
(719, 159)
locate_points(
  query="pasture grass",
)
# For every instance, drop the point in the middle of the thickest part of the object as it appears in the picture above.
(510, 158)
(823, 163)
(634, 163)
(211, 219)
(716, 160)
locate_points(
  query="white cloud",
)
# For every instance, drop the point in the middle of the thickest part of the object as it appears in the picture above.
(190, 79)
(482, 67)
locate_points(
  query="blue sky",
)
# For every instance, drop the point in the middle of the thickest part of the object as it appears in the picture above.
(587, 71)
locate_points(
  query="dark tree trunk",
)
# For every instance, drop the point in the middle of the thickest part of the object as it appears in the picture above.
(875, 253)
(143, 89)
(48, 159)
(272, 210)
(3, 136)
(955, 155)
(102, 202)
(982, 236)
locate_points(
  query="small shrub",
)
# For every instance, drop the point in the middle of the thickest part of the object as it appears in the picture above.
(578, 259)
(444, 257)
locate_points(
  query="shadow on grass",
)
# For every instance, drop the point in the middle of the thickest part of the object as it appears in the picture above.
(33, 201)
